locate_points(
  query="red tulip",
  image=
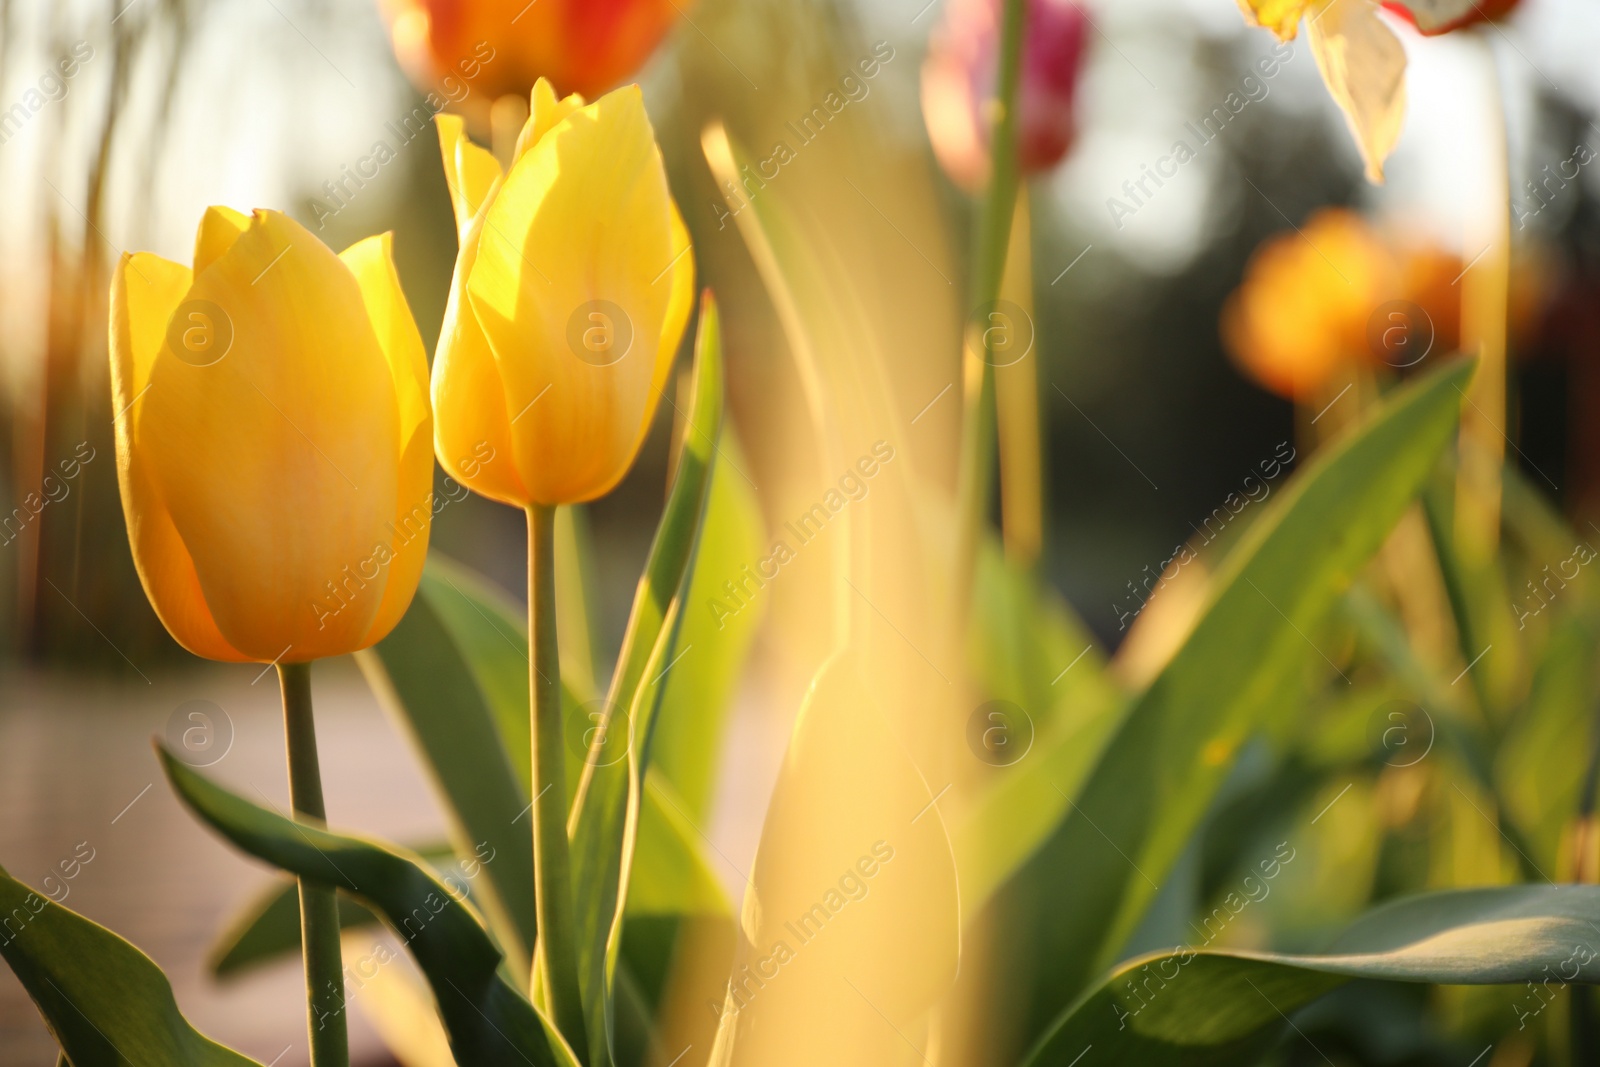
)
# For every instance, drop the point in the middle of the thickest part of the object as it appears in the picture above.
(958, 85)
(1433, 17)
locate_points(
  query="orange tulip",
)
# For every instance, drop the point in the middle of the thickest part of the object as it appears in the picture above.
(1337, 292)
(504, 46)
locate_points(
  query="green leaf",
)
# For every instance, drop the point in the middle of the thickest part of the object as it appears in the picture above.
(446, 672)
(269, 926)
(105, 1001)
(1083, 892)
(1189, 1007)
(490, 630)
(488, 1019)
(606, 819)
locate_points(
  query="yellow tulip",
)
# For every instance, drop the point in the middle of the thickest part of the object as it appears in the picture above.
(572, 288)
(273, 439)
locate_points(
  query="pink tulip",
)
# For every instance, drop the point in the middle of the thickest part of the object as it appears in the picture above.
(958, 85)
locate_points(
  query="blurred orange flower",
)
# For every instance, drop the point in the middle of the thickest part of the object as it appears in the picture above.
(958, 85)
(504, 46)
(1338, 292)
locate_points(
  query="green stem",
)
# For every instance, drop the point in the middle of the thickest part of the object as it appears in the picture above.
(557, 958)
(976, 474)
(319, 908)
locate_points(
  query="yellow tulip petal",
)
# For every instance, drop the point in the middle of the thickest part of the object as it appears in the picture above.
(145, 291)
(469, 171)
(471, 427)
(279, 460)
(372, 262)
(565, 289)
(1282, 17)
(680, 302)
(409, 541)
(219, 228)
(545, 111)
(1364, 66)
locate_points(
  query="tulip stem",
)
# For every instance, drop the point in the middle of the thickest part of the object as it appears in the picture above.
(319, 907)
(976, 473)
(557, 958)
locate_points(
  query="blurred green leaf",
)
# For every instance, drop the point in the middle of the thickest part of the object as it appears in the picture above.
(688, 740)
(269, 926)
(606, 820)
(1454, 728)
(488, 1019)
(1480, 601)
(1082, 893)
(1540, 765)
(1030, 645)
(1534, 524)
(670, 876)
(1033, 652)
(106, 1003)
(1190, 1008)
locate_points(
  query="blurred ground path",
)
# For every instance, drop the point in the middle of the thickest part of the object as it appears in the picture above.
(75, 764)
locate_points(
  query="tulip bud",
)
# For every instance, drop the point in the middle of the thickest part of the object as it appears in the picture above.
(503, 46)
(959, 85)
(272, 439)
(1435, 17)
(572, 289)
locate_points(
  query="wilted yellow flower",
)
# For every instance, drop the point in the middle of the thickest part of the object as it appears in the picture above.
(572, 288)
(272, 439)
(1361, 60)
